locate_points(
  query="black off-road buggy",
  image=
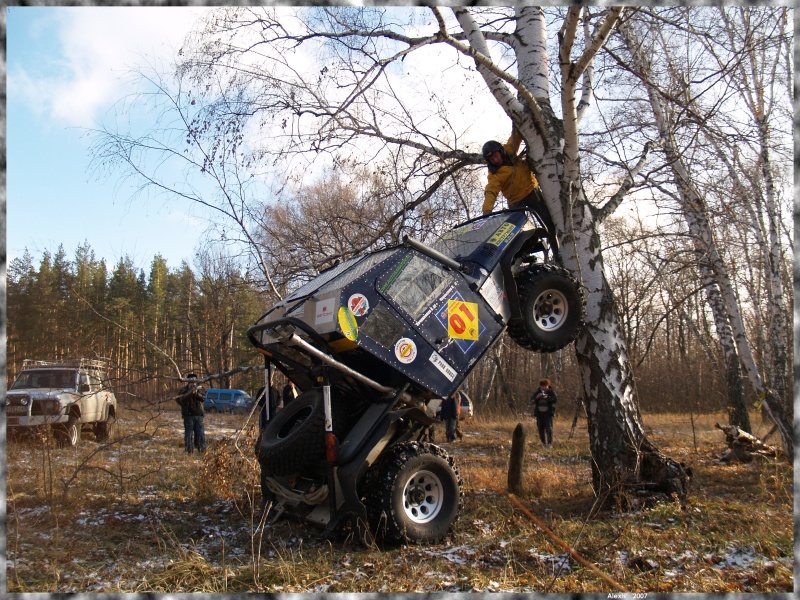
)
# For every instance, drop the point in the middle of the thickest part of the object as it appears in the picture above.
(371, 341)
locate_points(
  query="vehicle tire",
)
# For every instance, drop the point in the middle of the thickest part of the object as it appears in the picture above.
(295, 437)
(104, 430)
(412, 494)
(69, 434)
(551, 303)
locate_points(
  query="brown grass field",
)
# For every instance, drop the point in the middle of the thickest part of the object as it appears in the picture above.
(139, 515)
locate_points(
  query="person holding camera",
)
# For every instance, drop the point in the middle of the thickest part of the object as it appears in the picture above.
(543, 404)
(191, 399)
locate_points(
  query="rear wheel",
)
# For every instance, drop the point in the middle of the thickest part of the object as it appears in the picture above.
(104, 430)
(413, 494)
(551, 305)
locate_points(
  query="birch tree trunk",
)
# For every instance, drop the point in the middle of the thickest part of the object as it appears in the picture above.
(623, 459)
(757, 72)
(695, 213)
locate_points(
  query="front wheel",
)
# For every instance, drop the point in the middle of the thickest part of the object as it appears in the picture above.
(551, 305)
(69, 434)
(413, 494)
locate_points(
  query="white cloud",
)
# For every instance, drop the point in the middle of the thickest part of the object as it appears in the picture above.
(98, 47)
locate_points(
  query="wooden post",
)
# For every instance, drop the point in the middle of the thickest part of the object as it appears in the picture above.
(517, 460)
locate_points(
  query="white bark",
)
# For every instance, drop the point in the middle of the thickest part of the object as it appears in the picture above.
(694, 211)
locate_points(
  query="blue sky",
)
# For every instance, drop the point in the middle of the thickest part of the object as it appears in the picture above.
(65, 69)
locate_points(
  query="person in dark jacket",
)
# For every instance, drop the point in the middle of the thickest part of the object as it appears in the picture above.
(451, 407)
(543, 404)
(191, 399)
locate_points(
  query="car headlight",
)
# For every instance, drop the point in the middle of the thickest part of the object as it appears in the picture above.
(52, 407)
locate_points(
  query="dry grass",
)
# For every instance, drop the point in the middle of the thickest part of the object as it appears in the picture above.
(141, 515)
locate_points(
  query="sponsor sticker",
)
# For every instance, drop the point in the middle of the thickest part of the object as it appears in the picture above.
(405, 350)
(323, 311)
(347, 323)
(492, 294)
(455, 315)
(443, 366)
(462, 320)
(503, 234)
(358, 304)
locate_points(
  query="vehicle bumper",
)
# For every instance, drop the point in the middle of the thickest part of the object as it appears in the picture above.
(34, 421)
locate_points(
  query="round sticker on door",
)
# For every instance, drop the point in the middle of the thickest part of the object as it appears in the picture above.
(359, 304)
(405, 350)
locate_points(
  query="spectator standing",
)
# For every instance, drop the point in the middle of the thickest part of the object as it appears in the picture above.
(543, 404)
(451, 407)
(190, 399)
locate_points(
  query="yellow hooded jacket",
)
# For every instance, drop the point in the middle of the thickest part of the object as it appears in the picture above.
(516, 181)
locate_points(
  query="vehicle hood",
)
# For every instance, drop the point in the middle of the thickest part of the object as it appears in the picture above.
(40, 393)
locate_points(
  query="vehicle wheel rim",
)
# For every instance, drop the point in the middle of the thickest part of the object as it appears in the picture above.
(73, 436)
(550, 310)
(423, 497)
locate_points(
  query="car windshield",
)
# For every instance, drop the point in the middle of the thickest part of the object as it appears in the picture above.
(45, 378)
(485, 234)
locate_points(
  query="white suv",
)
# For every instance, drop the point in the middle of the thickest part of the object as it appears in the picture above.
(68, 395)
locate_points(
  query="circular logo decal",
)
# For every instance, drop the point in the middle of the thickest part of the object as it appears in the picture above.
(359, 304)
(405, 350)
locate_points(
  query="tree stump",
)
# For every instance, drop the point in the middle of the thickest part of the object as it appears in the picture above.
(517, 460)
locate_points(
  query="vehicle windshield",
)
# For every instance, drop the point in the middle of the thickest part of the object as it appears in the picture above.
(484, 236)
(46, 378)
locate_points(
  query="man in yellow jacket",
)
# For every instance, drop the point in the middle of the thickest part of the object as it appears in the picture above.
(509, 174)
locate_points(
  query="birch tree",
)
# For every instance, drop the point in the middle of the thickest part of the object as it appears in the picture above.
(252, 69)
(669, 108)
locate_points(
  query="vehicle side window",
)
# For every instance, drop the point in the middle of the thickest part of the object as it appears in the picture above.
(417, 285)
(83, 378)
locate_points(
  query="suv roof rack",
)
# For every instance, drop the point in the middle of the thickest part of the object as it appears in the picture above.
(93, 364)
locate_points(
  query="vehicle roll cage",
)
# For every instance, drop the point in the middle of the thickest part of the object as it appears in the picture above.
(284, 332)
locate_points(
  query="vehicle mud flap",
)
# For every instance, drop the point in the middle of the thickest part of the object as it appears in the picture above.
(362, 439)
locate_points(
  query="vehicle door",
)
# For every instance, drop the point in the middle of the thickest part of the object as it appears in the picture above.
(104, 396)
(87, 392)
(210, 402)
(223, 401)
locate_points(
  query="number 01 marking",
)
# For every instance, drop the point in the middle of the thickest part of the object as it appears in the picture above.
(462, 320)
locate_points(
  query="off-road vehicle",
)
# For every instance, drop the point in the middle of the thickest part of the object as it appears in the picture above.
(372, 340)
(70, 396)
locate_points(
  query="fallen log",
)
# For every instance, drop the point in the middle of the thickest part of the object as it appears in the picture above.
(743, 446)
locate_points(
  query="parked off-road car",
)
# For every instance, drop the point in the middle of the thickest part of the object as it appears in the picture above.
(69, 396)
(371, 341)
